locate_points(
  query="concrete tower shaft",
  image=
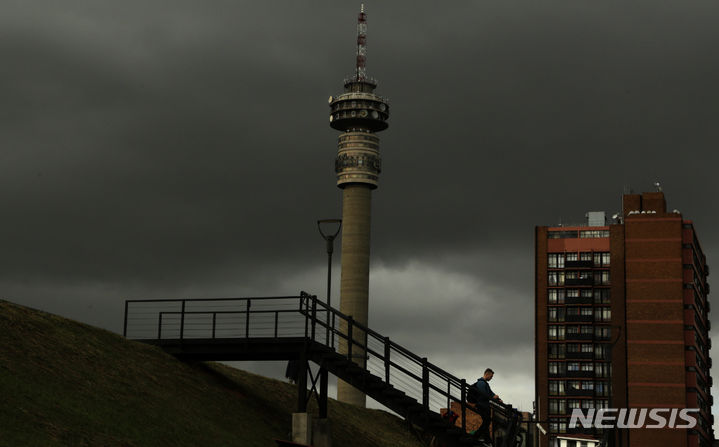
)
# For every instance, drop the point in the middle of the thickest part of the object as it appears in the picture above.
(358, 113)
(354, 281)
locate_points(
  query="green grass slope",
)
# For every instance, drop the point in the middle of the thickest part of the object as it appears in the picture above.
(67, 383)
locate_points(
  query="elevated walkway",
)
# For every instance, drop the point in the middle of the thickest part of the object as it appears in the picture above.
(304, 329)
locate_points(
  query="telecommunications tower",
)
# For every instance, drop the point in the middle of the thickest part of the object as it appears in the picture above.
(358, 113)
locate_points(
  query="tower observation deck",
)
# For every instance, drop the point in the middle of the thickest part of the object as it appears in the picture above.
(358, 113)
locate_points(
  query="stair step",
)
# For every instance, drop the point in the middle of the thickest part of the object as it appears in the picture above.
(391, 392)
(407, 399)
(351, 369)
(331, 360)
(415, 408)
(375, 385)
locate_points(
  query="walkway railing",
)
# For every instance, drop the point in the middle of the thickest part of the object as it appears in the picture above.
(214, 318)
(303, 316)
(406, 371)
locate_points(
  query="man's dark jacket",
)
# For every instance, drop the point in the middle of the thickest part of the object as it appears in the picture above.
(485, 393)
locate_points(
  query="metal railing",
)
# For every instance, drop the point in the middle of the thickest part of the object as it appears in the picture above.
(306, 316)
(212, 318)
(432, 387)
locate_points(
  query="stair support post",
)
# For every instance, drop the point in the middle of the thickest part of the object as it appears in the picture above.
(302, 382)
(182, 321)
(314, 316)
(324, 379)
(214, 323)
(425, 384)
(387, 361)
(350, 324)
(124, 324)
(304, 302)
(464, 404)
(247, 319)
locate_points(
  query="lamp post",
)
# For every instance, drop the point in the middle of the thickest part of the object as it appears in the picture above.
(329, 237)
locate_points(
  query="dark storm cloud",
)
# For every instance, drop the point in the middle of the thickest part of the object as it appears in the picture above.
(151, 149)
(547, 114)
(185, 138)
(174, 165)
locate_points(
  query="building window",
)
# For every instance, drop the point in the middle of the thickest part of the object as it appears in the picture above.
(602, 314)
(555, 260)
(572, 330)
(571, 256)
(566, 234)
(554, 426)
(586, 330)
(556, 351)
(557, 368)
(585, 256)
(555, 314)
(602, 370)
(587, 367)
(587, 347)
(601, 277)
(556, 388)
(573, 366)
(586, 311)
(556, 332)
(572, 293)
(553, 406)
(588, 385)
(601, 352)
(573, 403)
(572, 311)
(572, 347)
(602, 389)
(601, 296)
(563, 426)
(556, 278)
(593, 233)
(557, 406)
(587, 293)
(602, 333)
(556, 296)
(587, 403)
(601, 259)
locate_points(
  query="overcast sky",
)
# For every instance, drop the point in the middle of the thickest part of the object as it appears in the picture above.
(173, 149)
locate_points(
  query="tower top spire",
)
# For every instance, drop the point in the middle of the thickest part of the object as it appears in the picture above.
(361, 70)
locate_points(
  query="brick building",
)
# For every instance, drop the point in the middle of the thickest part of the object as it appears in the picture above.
(621, 322)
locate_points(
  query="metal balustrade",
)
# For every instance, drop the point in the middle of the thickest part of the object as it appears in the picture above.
(305, 316)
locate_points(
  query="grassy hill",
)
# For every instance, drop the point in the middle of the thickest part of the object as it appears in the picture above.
(67, 383)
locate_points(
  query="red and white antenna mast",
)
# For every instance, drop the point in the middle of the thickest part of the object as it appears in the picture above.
(361, 70)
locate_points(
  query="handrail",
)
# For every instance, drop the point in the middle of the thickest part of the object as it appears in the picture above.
(162, 300)
(427, 368)
(313, 319)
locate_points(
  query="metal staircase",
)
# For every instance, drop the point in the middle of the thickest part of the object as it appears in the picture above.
(304, 329)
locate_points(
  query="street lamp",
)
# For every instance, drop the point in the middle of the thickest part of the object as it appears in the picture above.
(329, 237)
(329, 226)
(292, 368)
